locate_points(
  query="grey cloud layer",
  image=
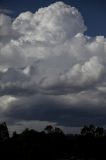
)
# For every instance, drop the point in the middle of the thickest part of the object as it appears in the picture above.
(50, 69)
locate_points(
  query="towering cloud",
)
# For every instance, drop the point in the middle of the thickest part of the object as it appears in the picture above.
(50, 70)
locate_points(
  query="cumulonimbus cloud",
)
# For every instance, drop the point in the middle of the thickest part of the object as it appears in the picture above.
(46, 54)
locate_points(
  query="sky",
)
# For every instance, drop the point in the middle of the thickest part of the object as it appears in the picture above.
(52, 63)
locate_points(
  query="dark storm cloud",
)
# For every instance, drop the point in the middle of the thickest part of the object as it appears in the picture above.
(52, 109)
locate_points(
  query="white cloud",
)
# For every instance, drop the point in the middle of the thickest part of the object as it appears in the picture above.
(85, 74)
(5, 25)
(5, 101)
(38, 32)
(5, 11)
(53, 23)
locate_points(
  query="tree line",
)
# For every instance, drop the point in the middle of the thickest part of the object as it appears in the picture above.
(53, 144)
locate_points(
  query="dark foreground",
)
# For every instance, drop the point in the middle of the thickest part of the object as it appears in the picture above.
(52, 145)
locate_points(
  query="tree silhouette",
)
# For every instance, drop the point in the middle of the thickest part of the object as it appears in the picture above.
(14, 134)
(92, 130)
(49, 129)
(99, 132)
(88, 131)
(4, 134)
(53, 144)
(58, 131)
(84, 131)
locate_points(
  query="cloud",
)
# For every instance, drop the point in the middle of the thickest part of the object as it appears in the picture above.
(52, 69)
(6, 11)
(80, 76)
(72, 109)
(86, 74)
(50, 23)
(5, 25)
(38, 33)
